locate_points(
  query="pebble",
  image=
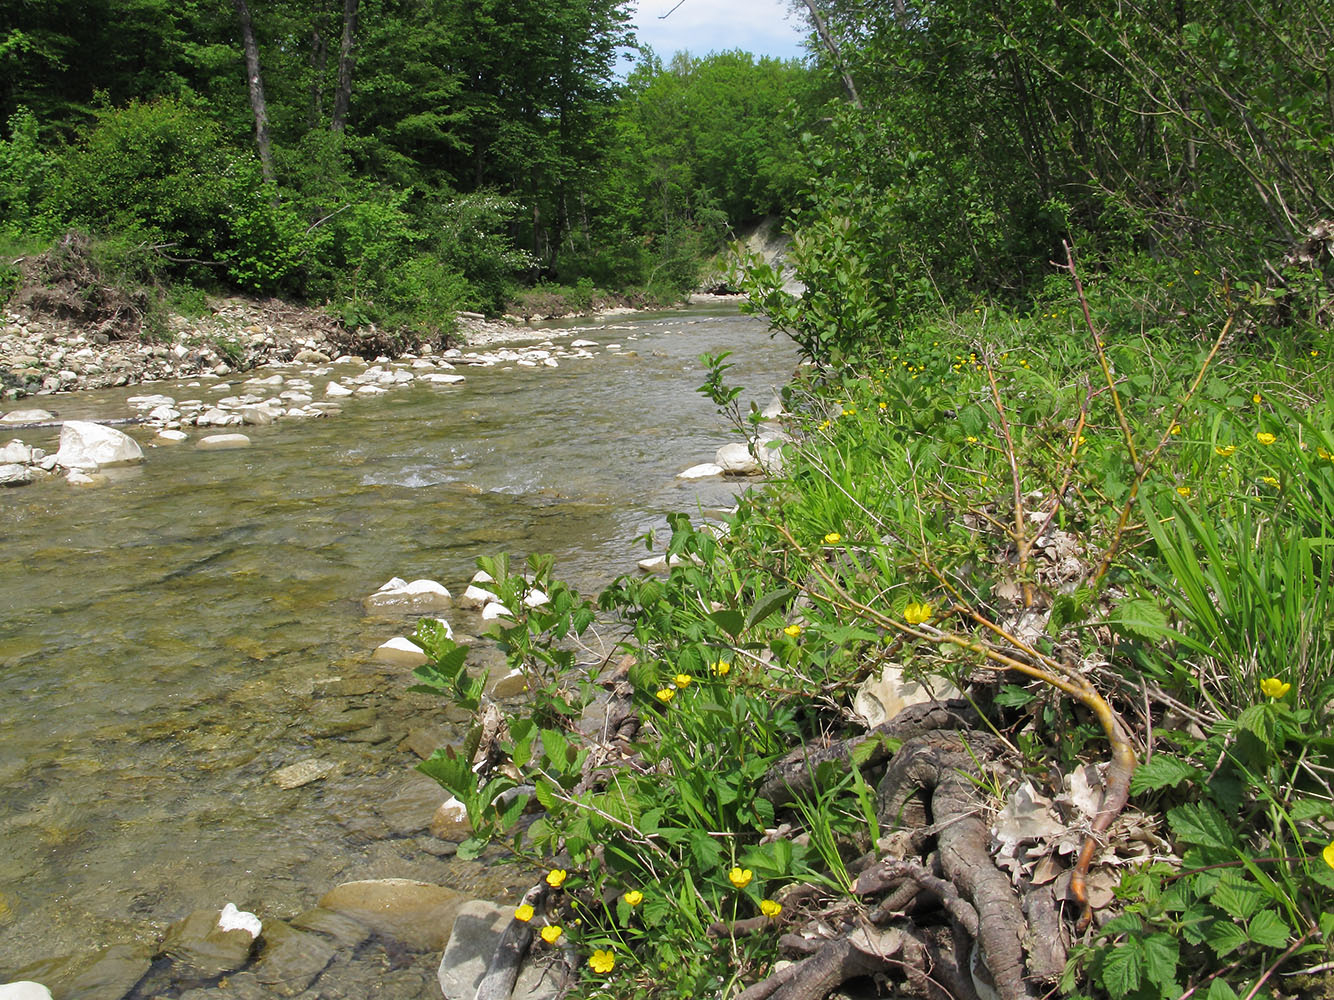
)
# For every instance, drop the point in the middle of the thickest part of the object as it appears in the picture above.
(303, 772)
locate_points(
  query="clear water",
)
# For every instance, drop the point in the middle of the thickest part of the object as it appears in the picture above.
(170, 639)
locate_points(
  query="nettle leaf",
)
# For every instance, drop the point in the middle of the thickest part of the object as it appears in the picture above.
(1123, 968)
(1162, 771)
(1308, 809)
(1140, 618)
(1238, 897)
(1225, 937)
(1258, 720)
(1201, 823)
(1269, 929)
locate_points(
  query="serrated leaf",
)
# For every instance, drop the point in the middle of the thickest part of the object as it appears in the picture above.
(1308, 809)
(545, 797)
(1141, 618)
(1014, 696)
(1237, 897)
(1162, 953)
(1258, 720)
(1161, 771)
(471, 849)
(771, 602)
(1123, 968)
(1225, 937)
(1220, 990)
(1269, 929)
(1201, 823)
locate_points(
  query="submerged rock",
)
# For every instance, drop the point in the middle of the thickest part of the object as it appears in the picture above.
(86, 445)
(291, 958)
(27, 417)
(303, 772)
(201, 947)
(108, 974)
(419, 915)
(419, 595)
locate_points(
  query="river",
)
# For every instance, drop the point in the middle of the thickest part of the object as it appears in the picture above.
(170, 639)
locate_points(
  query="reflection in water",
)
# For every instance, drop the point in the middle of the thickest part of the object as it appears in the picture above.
(170, 639)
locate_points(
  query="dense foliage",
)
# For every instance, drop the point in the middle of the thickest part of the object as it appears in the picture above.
(399, 160)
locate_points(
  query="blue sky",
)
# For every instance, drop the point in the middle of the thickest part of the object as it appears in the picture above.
(762, 27)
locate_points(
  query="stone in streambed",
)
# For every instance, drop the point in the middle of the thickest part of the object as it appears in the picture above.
(27, 417)
(416, 914)
(451, 822)
(400, 652)
(477, 930)
(15, 475)
(291, 959)
(108, 974)
(26, 990)
(335, 390)
(85, 445)
(706, 470)
(204, 946)
(223, 442)
(411, 807)
(303, 772)
(15, 453)
(342, 930)
(172, 437)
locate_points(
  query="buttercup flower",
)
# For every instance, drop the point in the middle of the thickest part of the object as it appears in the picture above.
(1272, 687)
(832, 538)
(1184, 490)
(682, 680)
(601, 962)
(1265, 438)
(884, 406)
(1269, 481)
(1323, 452)
(916, 613)
(1328, 854)
(1225, 450)
(1175, 428)
(556, 877)
(793, 630)
(524, 913)
(770, 909)
(970, 439)
(551, 933)
(740, 877)
(1257, 398)
(665, 695)
(720, 668)
(633, 898)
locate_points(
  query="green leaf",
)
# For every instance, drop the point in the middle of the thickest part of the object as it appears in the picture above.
(1140, 618)
(1201, 823)
(1162, 771)
(1162, 953)
(1123, 968)
(471, 849)
(773, 601)
(1014, 696)
(1269, 929)
(1225, 937)
(1237, 896)
(729, 620)
(1220, 990)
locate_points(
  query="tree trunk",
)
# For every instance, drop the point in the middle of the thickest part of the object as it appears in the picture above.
(256, 84)
(343, 96)
(823, 31)
(318, 54)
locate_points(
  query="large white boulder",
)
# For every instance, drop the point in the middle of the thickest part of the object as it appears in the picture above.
(86, 445)
(735, 459)
(15, 452)
(24, 990)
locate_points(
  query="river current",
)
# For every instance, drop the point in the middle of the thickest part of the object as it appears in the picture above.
(170, 639)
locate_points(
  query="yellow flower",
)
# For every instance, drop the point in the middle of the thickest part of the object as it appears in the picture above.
(524, 913)
(1225, 450)
(1175, 429)
(1328, 854)
(1265, 438)
(770, 909)
(665, 695)
(970, 439)
(1184, 490)
(1269, 481)
(1324, 453)
(682, 680)
(916, 613)
(719, 668)
(833, 538)
(740, 877)
(884, 406)
(824, 426)
(1196, 271)
(551, 933)
(633, 898)
(1257, 398)
(1272, 687)
(793, 630)
(849, 411)
(556, 877)
(1315, 354)
(601, 962)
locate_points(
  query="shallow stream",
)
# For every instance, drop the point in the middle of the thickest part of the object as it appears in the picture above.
(170, 639)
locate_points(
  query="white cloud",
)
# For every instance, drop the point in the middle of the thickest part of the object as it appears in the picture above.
(762, 27)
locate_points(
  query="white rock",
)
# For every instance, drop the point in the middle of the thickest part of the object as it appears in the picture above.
(26, 417)
(86, 445)
(14, 474)
(295, 398)
(172, 436)
(232, 919)
(24, 990)
(496, 610)
(663, 564)
(258, 416)
(583, 343)
(401, 652)
(214, 417)
(551, 363)
(477, 597)
(419, 595)
(222, 442)
(482, 576)
(735, 458)
(881, 698)
(535, 599)
(704, 471)
(77, 478)
(438, 379)
(370, 390)
(164, 413)
(336, 389)
(271, 380)
(16, 453)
